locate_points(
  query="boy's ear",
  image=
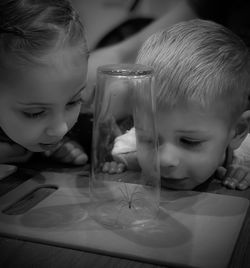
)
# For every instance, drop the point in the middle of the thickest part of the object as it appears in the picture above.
(241, 130)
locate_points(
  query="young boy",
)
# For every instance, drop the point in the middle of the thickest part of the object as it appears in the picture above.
(202, 80)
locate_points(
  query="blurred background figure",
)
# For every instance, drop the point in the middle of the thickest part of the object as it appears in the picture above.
(117, 28)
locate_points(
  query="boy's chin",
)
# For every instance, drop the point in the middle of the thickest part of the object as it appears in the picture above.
(185, 184)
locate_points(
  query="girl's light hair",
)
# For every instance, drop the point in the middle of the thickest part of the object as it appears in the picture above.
(199, 61)
(30, 29)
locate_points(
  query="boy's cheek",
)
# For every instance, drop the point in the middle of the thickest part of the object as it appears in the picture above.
(195, 176)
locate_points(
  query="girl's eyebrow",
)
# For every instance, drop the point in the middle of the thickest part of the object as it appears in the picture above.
(48, 104)
(34, 104)
(79, 91)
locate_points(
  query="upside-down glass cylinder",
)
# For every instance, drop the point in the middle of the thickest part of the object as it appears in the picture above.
(125, 135)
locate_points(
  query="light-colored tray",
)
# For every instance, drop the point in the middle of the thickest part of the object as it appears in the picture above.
(194, 229)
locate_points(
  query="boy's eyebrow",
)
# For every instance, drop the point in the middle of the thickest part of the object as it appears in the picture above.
(196, 131)
(46, 104)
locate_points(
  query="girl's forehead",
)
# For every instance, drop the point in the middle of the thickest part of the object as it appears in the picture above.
(59, 76)
(65, 56)
(63, 59)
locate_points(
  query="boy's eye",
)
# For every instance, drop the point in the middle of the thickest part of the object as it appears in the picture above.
(190, 142)
(145, 140)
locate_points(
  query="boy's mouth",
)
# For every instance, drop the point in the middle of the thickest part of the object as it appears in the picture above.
(173, 182)
(173, 179)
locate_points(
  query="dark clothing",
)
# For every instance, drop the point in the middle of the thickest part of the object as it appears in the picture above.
(232, 14)
(4, 137)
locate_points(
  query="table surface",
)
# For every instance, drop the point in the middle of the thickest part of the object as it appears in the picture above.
(18, 253)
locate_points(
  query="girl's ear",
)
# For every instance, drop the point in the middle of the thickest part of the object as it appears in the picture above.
(241, 130)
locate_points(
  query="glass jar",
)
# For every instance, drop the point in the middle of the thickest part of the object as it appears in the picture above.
(124, 135)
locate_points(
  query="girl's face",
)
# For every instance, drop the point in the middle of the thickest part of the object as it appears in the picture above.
(192, 144)
(39, 105)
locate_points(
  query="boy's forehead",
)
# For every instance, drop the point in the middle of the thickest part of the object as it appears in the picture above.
(190, 113)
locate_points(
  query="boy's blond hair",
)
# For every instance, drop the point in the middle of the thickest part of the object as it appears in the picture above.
(198, 61)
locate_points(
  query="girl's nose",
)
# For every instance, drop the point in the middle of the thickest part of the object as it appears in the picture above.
(58, 129)
(168, 156)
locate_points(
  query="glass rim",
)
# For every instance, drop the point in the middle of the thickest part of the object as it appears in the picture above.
(125, 69)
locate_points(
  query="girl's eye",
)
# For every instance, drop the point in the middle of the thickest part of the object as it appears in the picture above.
(75, 103)
(34, 115)
(190, 142)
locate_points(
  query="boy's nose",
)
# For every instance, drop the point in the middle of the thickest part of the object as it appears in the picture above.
(168, 156)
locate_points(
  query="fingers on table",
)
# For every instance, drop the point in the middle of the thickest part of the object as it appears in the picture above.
(237, 177)
(113, 167)
(70, 152)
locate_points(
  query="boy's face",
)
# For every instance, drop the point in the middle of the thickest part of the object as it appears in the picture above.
(192, 144)
(39, 105)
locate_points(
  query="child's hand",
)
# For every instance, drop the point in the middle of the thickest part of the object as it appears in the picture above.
(113, 167)
(121, 163)
(237, 177)
(13, 153)
(69, 152)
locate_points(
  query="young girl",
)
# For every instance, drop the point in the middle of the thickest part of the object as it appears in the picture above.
(43, 67)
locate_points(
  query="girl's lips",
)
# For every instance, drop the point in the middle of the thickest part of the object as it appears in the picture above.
(49, 146)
